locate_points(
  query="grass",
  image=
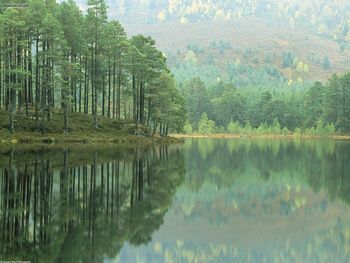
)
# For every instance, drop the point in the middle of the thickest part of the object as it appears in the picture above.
(81, 130)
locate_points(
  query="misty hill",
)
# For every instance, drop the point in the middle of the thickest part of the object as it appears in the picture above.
(252, 41)
(327, 17)
(270, 32)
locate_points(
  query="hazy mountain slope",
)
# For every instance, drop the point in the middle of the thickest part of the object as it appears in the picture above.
(259, 32)
(326, 17)
(265, 44)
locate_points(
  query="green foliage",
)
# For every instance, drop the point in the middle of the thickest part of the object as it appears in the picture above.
(325, 63)
(263, 129)
(195, 48)
(55, 56)
(206, 126)
(324, 130)
(319, 130)
(285, 131)
(169, 106)
(221, 45)
(231, 104)
(197, 99)
(188, 128)
(247, 129)
(298, 131)
(287, 59)
(300, 66)
(336, 106)
(329, 129)
(234, 127)
(276, 127)
(268, 111)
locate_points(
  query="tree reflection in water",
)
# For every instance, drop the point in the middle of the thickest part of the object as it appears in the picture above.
(239, 201)
(82, 204)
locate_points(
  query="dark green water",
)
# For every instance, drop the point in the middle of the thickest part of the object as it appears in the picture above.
(210, 200)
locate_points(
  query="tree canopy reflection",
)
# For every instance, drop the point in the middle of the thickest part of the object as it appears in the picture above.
(82, 204)
(319, 164)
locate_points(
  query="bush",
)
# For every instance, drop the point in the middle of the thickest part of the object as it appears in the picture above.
(276, 127)
(234, 127)
(285, 131)
(220, 129)
(310, 131)
(298, 131)
(247, 128)
(319, 128)
(188, 128)
(329, 129)
(206, 126)
(263, 129)
(325, 63)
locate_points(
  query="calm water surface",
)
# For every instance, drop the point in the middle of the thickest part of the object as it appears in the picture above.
(209, 200)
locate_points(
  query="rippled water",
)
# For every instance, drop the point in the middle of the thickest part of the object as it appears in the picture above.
(209, 200)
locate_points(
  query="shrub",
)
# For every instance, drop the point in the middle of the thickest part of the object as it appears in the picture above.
(206, 126)
(234, 127)
(188, 128)
(285, 131)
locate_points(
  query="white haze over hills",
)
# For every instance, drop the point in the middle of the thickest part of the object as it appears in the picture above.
(330, 18)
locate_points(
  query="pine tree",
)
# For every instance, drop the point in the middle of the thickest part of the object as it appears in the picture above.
(54, 57)
(96, 21)
(13, 40)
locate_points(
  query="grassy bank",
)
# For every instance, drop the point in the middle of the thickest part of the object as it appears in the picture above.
(261, 136)
(81, 130)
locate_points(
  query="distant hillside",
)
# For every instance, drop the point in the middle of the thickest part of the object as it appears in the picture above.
(303, 40)
(326, 17)
(252, 41)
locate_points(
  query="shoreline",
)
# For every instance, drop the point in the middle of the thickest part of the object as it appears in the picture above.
(38, 139)
(261, 136)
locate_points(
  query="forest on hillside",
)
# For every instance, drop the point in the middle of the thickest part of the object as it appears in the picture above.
(56, 58)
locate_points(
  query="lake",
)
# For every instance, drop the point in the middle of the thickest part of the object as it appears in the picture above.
(209, 200)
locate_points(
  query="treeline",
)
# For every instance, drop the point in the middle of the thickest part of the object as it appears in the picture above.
(242, 73)
(54, 57)
(319, 110)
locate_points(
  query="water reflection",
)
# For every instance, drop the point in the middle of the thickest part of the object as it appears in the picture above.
(83, 204)
(206, 201)
(257, 201)
(320, 164)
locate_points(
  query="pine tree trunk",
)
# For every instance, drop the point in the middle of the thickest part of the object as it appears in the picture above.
(92, 81)
(86, 86)
(134, 97)
(109, 89)
(80, 82)
(75, 86)
(119, 91)
(12, 91)
(103, 96)
(65, 109)
(1, 74)
(114, 81)
(142, 102)
(37, 84)
(30, 69)
(27, 79)
(149, 113)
